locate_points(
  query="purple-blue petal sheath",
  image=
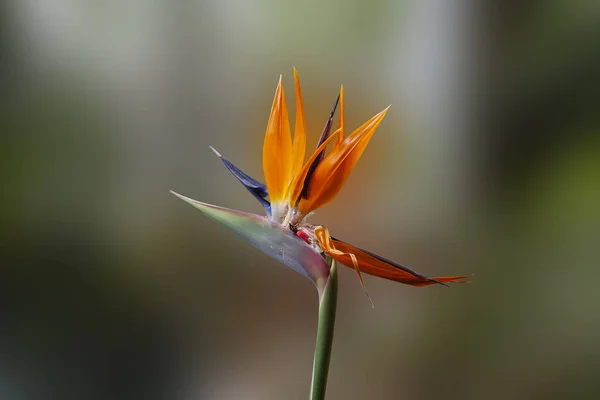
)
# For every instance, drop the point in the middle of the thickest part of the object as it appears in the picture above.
(324, 135)
(256, 188)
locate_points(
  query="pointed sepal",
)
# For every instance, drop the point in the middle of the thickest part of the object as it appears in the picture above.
(372, 264)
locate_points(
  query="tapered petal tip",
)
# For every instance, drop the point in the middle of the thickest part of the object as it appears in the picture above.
(256, 188)
(270, 237)
(214, 151)
(381, 114)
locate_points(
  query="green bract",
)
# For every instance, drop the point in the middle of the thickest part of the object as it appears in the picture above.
(271, 238)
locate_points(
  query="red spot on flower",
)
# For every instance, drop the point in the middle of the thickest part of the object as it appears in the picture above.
(303, 235)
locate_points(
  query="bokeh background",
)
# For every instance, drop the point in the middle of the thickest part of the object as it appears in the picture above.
(487, 163)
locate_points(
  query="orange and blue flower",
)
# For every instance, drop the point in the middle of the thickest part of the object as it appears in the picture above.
(295, 188)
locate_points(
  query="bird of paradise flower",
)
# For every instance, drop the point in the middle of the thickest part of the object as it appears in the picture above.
(293, 190)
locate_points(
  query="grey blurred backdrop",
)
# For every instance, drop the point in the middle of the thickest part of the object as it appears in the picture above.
(488, 163)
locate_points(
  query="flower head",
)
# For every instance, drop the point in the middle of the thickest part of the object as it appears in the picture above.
(295, 188)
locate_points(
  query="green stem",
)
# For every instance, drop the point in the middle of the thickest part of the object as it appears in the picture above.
(327, 307)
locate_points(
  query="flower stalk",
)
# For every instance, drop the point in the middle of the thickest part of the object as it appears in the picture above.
(325, 328)
(293, 189)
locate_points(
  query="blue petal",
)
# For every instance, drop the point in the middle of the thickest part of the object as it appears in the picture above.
(256, 188)
(324, 135)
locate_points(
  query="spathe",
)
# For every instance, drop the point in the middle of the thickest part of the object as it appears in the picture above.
(271, 238)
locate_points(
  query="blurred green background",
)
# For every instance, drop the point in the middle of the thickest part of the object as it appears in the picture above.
(487, 163)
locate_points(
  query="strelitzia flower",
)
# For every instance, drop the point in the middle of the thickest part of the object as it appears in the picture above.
(295, 188)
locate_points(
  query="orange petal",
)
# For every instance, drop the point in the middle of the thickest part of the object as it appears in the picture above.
(331, 174)
(298, 182)
(277, 148)
(299, 144)
(325, 242)
(376, 266)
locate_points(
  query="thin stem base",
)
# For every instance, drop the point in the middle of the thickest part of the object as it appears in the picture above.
(325, 328)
